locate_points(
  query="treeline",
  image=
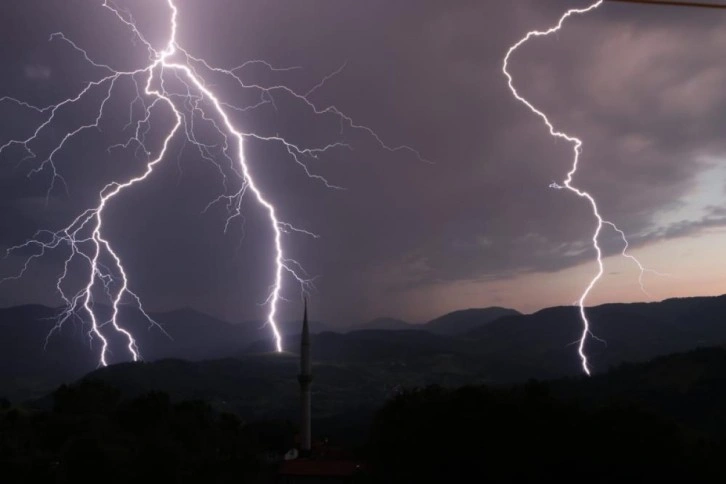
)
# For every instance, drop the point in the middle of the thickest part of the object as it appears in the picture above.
(661, 421)
(525, 435)
(92, 435)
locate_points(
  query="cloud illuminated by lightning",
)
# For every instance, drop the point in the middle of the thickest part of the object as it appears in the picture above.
(567, 184)
(193, 103)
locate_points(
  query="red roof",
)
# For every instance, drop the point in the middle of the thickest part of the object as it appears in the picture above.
(319, 467)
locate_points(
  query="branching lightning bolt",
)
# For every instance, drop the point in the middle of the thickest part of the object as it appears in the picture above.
(195, 103)
(567, 184)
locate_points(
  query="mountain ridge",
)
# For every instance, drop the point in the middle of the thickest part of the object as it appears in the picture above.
(508, 348)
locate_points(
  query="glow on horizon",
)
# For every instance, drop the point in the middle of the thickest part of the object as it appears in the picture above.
(695, 264)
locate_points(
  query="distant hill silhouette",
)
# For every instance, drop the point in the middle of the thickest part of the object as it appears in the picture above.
(29, 368)
(459, 322)
(453, 323)
(383, 323)
(632, 332)
(510, 348)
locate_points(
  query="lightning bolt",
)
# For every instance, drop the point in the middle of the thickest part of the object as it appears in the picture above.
(191, 102)
(567, 184)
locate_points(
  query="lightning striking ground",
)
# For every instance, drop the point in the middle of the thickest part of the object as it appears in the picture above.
(193, 103)
(567, 184)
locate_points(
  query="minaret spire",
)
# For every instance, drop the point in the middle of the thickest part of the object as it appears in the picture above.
(305, 378)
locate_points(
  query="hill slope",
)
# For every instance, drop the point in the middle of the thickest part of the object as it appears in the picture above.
(31, 366)
(459, 322)
(383, 323)
(631, 332)
(508, 349)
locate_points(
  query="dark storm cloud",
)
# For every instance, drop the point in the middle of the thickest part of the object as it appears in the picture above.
(643, 92)
(640, 85)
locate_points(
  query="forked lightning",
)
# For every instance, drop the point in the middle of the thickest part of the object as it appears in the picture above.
(84, 236)
(567, 184)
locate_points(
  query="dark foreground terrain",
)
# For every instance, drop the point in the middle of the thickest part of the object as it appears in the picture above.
(660, 421)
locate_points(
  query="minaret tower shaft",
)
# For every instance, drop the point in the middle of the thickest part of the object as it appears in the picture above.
(305, 378)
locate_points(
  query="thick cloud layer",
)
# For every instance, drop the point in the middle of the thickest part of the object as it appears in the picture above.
(641, 85)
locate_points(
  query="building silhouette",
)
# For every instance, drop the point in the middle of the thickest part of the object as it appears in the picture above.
(305, 378)
(319, 462)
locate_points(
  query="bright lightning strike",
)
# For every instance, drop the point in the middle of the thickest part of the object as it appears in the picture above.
(191, 105)
(567, 184)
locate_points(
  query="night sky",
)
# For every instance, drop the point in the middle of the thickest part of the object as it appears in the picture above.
(472, 224)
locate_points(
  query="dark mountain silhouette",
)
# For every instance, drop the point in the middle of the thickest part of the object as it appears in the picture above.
(384, 323)
(453, 323)
(631, 332)
(459, 322)
(27, 368)
(508, 349)
(30, 368)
